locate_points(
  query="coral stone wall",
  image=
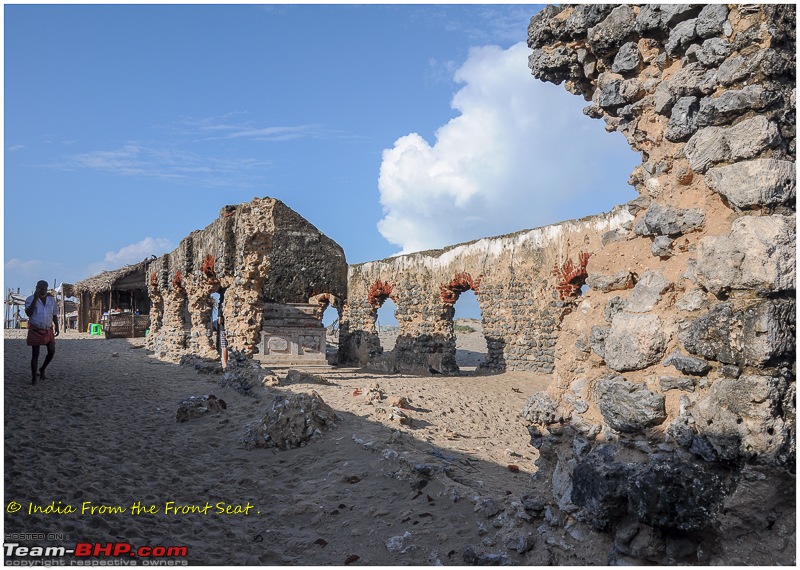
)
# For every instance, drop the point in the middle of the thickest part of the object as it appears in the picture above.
(256, 253)
(702, 348)
(670, 422)
(524, 282)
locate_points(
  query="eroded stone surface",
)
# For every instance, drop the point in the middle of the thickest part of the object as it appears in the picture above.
(634, 341)
(760, 182)
(758, 254)
(253, 253)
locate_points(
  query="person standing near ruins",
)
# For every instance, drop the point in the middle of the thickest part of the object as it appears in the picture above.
(42, 311)
(222, 340)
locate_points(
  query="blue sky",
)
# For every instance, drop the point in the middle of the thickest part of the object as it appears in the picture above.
(389, 127)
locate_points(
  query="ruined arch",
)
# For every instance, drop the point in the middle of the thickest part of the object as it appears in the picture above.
(379, 292)
(461, 282)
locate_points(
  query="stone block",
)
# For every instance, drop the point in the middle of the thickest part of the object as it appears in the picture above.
(585, 16)
(753, 335)
(551, 65)
(614, 306)
(682, 121)
(676, 383)
(674, 14)
(292, 421)
(598, 340)
(744, 140)
(541, 409)
(608, 95)
(667, 220)
(733, 103)
(649, 19)
(711, 20)
(759, 253)
(673, 494)
(634, 341)
(628, 406)
(711, 52)
(688, 364)
(627, 59)
(662, 246)
(754, 183)
(692, 300)
(680, 37)
(605, 283)
(741, 418)
(647, 292)
(599, 488)
(607, 36)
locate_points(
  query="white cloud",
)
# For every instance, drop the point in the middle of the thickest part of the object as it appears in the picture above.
(227, 127)
(152, 161)
(519, 155)
(133, 253)
(25, 273)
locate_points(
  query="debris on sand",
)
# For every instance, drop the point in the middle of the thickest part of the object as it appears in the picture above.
(291, 422)
(300, 377)
(195, 407)
(399, 415)
(374, 394)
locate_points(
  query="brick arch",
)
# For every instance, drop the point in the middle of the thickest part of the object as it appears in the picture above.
(379, 292)
(571, 277)
(324, 300)
(463, 281)
(207, 268)
(177, 281)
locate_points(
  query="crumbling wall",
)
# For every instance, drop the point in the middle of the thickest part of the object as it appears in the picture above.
(670, 421)
(706, 94)
(524, 282)
(256, 253)
(677, 373)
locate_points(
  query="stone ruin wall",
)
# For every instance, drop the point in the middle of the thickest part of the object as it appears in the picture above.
(515, 279)
(670, 422)
(257, 252)
(678, 394)
(706, 94)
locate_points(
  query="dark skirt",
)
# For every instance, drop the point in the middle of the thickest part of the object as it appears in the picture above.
(39, 337)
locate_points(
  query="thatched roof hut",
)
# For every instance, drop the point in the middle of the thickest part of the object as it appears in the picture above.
(126, 278)
(119, 291)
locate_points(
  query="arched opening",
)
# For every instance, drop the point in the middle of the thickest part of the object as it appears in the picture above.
(214, 306)
(471, 349)
(330, 320)
(327, 307)
(386, 325)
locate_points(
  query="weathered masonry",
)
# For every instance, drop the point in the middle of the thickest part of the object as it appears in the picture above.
(671, 418)
(524, 282)
(706, 94)
(260, 257)
(675, 378)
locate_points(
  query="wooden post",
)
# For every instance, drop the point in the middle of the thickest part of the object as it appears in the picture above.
(62, 308)
(133, 314)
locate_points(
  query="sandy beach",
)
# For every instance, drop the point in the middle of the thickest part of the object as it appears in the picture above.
(98, 442)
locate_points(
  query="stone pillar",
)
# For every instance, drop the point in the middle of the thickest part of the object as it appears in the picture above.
(200, 307)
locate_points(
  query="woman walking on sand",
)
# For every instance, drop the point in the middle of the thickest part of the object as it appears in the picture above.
(42, 311)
